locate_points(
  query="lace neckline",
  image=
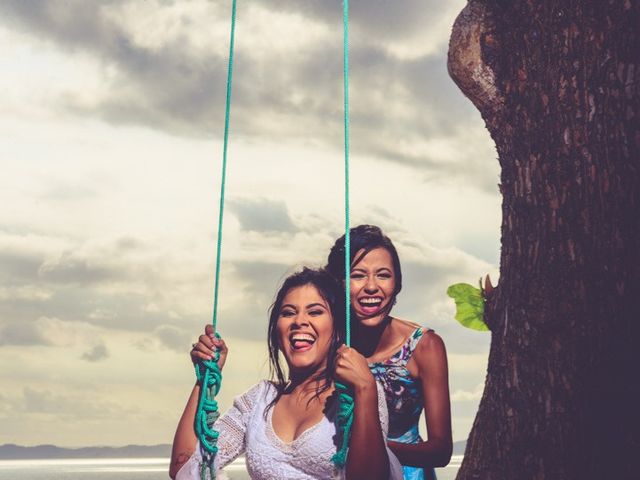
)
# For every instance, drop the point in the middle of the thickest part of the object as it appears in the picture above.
(272, 435)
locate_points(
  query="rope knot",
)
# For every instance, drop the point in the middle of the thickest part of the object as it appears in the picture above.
(344, 420)
(210, 378)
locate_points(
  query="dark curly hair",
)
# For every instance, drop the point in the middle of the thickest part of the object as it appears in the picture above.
(331, 291)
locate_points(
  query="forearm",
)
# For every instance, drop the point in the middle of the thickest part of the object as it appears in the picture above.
(433, 453)
(367, 456)
(184, 441)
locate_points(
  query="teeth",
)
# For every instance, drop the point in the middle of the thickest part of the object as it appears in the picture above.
(370, 301)
(303, 337)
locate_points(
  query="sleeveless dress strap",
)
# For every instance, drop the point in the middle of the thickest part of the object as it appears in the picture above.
(415, 338)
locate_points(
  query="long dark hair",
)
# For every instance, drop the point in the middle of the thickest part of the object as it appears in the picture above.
(365, 238)
(332, 293)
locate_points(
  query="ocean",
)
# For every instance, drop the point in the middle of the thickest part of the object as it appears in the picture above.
(130, 468)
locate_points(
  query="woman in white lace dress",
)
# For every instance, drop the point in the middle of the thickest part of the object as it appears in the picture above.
(285, 427)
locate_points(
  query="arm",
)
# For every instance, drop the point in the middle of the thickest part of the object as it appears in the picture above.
(185, 440)
(430, 361)
(367, 456)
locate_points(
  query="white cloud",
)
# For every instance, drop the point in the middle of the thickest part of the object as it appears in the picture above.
(468, 396)
(108, 229)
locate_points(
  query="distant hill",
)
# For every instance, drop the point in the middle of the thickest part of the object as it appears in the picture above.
(16, 452)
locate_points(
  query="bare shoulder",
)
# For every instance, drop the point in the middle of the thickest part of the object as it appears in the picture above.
(431, 343)
(430, 353)
(405, 326)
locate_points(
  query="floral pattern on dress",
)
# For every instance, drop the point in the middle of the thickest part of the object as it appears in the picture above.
(404, 397)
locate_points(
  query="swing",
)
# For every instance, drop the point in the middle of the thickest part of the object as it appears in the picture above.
(207, 372)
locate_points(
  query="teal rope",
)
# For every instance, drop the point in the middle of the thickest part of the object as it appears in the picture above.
(347, 237)
(207, 372)
(223, 177)
(344, 417)
(210, 378)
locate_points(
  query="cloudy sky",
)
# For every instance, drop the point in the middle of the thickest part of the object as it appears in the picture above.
(111, 118)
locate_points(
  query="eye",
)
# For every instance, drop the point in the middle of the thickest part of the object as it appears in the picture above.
(287, 313)
(357, 276)
(316, 312)
(384, 275)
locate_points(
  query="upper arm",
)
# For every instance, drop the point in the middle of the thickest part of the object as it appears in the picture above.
(430, 357)
(232, 426)
(234, 423)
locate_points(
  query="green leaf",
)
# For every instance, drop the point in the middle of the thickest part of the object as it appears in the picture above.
(469, 305)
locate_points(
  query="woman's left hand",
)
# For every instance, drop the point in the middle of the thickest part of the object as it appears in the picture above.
(352, 368)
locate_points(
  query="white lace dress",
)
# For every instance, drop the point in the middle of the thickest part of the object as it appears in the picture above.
(244, 429)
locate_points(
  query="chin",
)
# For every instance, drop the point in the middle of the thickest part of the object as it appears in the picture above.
(309, 368)
(370, 322)
(367, 321)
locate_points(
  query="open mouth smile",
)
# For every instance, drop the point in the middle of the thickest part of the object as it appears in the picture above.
(370, 304)
(301, 342)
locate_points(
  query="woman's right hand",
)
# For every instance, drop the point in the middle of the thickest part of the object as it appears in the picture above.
(205, 347)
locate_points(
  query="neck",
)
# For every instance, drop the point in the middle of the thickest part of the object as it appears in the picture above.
(305, 380)
(368, 339)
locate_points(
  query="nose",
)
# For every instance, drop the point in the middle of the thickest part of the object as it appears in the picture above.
(371, 286)
(300, 320)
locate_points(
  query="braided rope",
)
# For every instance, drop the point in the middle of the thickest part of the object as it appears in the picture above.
(210, 378)
(344, 417)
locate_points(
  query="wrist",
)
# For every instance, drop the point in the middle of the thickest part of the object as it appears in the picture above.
(366, 387)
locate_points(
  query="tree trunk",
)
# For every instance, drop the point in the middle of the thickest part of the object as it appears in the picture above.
(557, 83)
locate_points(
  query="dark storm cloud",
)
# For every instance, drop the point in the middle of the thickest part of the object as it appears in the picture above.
(168, 89)
(173, 337)
(105, 287)
(81, 303)
(391, 19)
(258, 283)
(262, 215)
(96, 353)
(24, 333)
(100, 286)
(261, 277)
(297, 96)
(72, 269)
(68, 406)
(16, 267)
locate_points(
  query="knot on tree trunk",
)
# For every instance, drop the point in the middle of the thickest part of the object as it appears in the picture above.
(470, 47)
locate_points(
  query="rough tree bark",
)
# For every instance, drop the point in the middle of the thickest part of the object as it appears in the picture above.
(557, 83)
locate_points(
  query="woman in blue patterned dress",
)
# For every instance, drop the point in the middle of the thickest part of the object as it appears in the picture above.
(409, 360)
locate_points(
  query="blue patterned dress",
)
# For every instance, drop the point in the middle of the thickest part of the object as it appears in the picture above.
(404, 399)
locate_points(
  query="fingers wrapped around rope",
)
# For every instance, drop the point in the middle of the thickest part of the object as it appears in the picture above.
(352, 368)
(209, 348)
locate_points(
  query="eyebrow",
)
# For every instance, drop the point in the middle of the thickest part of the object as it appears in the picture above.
(312, 305)
(363, 270)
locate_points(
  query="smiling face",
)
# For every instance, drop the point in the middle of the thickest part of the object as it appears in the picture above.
(373, 286)
(304, 328)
